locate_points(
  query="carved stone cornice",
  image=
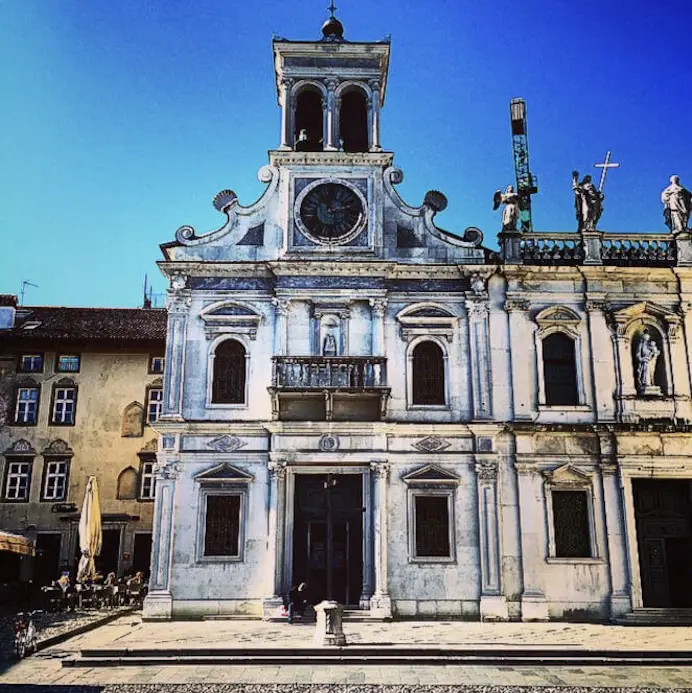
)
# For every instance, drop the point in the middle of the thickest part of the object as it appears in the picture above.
(290, 158)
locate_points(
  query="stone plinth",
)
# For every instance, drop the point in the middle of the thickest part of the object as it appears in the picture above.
(329, 629)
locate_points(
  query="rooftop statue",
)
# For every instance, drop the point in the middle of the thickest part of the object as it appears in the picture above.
(510, 214)
(677, 203)
(588, 201)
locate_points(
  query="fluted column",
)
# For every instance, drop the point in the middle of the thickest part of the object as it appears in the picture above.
(330, 129)
(159, 601)
(493, 604)
(381, 603)
(280, 326)
(379, 307)
(179, 300)
(520, 340)
(479, 346)
(533, 605)
(286, 101)
(375, 116)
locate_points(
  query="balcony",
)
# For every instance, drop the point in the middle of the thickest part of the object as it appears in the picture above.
(329, 388)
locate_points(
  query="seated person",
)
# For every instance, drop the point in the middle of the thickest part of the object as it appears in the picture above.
(297, 601)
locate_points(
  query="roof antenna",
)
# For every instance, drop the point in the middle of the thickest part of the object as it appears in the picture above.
(146, 302)
(25, 283)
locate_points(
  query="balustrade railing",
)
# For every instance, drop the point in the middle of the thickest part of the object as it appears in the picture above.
(320, 372)
(593, 248)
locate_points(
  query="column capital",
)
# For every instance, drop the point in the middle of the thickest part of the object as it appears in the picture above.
(374, 84)
(595, 304)
(179, 301)
(486, 470)
(281, 305)
(525, 468)
(380, 469)
(166, 470)
(332, 83)
(378, 305)
(477, 309)
(277, 470)
(517, 305)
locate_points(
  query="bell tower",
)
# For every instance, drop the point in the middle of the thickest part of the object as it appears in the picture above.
(331, 91)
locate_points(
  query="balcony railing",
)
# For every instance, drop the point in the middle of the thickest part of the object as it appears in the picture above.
(329, 372)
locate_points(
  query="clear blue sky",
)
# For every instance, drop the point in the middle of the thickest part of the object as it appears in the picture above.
(122, 118)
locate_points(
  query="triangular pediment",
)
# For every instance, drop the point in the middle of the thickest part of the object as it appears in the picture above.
(229, 312)
(644, 308)
(567, 475)
(430, 474)
(224, 473)
(425, 312)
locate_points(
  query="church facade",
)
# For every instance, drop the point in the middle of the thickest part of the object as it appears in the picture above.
(406, 420)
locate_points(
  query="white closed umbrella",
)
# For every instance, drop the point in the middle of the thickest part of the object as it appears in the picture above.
(90, 536)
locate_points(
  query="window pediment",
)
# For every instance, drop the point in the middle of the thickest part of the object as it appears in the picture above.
(431, 474)
(568, 477)
(58, 447)
(230, 318)
(20, 447)
(224, 474)
(425, 320)
(646, 309)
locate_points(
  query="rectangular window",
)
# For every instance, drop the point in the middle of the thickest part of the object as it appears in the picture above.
(68, 363)
(147, 481)
(27, 405)
(157, 364)
(431, 518)
(31, 363)
(154, 404)
(571, 524)
(17, 480)
(64, 405)
(55, 480)
(222, 526)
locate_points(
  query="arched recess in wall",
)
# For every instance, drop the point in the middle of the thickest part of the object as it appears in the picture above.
(127, 484)
(133, 420)
(353, 120)
(309, 120)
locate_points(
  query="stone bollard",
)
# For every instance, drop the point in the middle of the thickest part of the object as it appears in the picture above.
(329, 629)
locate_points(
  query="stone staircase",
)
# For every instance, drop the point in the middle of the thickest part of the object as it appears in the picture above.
(656, 617)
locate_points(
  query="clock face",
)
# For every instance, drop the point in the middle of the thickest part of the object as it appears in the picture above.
(332, 212)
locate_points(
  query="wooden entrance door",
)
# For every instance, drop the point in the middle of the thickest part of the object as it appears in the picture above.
(328, 536)
(663, 515)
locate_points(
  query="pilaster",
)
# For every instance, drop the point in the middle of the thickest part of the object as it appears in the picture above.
(179, 300)
(158, 604)
(493, 605)
(481, 374)
(379, 307)
(275, 539)
(602, 359)
(380, 602)
(533, 604)
(522, 361)
(375, 116)
(330, 127)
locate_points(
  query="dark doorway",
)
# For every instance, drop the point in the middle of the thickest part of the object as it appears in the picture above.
(141, 557)
(353, 121)
(328, 536)
(663, 514)
(107, 561)
(47, 562)
(309, 121)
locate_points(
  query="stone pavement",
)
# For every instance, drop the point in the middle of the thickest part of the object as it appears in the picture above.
(130, 632)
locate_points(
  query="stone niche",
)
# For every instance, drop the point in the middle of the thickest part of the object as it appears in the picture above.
(133, 421)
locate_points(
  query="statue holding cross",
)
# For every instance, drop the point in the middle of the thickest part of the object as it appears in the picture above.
(588, 199)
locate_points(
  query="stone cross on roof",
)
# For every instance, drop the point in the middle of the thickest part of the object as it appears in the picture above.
(605, 166)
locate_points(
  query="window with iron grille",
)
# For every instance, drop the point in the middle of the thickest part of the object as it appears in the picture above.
(147, 480)
(31, 363)
(68, 363)
(222, 525)
(559, 369)
(228, 385)
(157, 364)
(431, 518)
(64, 400)
(571, 524)
(55, 480)
(428, 374)
(154, 404)
(26, 409)
(17, 480)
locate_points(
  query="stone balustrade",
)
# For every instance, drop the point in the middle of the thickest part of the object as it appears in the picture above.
(329, 372)
(551, 249)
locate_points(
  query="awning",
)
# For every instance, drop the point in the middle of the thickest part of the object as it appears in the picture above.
(16, 543)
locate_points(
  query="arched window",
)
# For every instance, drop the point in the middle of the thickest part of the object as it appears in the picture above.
(428, 374)
(353, 121)
(308, 121)
(228, 384)
(559, 370)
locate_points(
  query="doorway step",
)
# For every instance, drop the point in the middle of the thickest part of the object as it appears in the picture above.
(656, 617)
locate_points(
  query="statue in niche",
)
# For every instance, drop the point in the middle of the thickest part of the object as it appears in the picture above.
(645, 357)
(588, 202)
(510, 214)
(329, 345)
(677, 204)
(133, 421)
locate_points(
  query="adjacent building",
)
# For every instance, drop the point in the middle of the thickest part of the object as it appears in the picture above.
(79, 388)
